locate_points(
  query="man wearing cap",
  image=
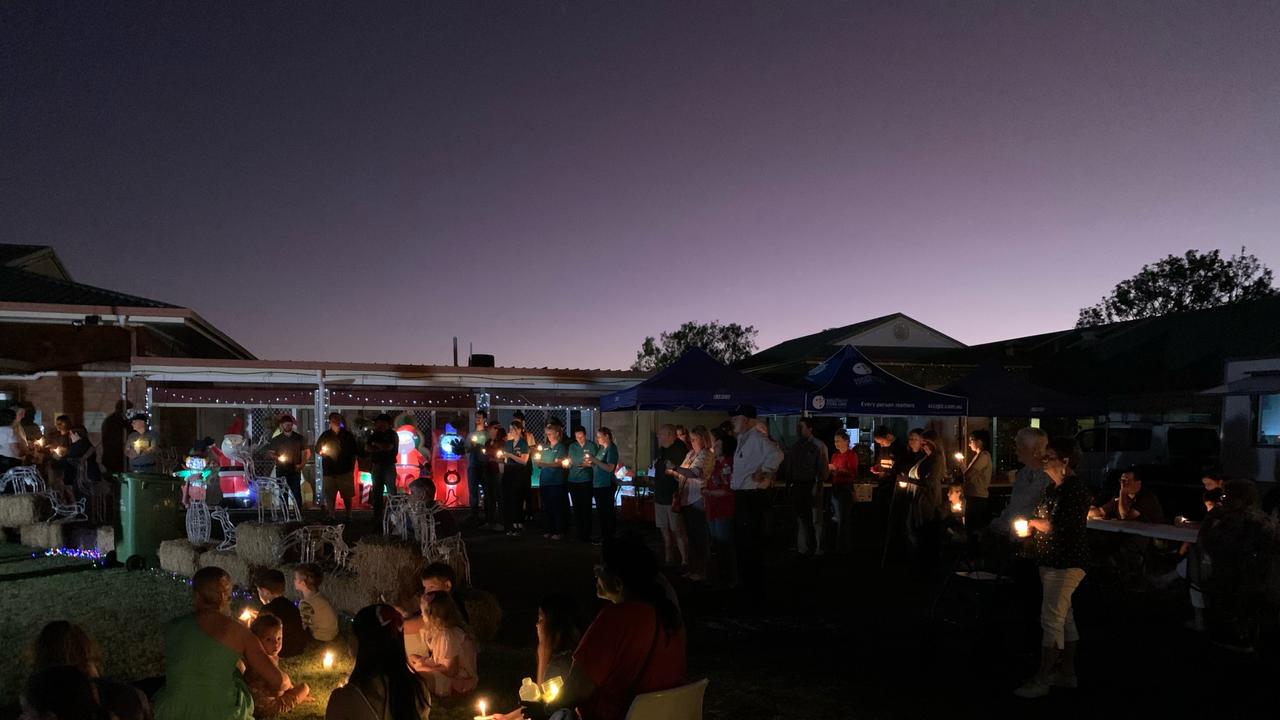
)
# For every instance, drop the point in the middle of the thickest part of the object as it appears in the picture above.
(337, 448)
(141, 447)
(290, 451)
(382, 444)
(754, 464)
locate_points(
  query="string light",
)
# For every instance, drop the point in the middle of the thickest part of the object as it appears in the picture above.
(77, 553)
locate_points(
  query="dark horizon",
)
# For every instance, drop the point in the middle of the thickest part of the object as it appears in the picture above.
(553, 182)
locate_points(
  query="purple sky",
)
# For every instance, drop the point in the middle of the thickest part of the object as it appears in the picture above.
(553, 181)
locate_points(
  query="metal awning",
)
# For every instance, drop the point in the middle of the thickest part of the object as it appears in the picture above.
(1262, 382)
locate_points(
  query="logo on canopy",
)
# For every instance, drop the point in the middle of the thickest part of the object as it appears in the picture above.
(861, 369)
(819, 402)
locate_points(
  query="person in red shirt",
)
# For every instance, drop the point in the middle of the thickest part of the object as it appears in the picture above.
(717, 495)
(635, 645)
(844, 473)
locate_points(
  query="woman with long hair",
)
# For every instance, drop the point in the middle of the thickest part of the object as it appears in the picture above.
(603, 466)
(559, 629)
(636, 644)
(63, 643)
(450, 668)
(694, 471)
(515, 478)
(977, 481)
(381, 685)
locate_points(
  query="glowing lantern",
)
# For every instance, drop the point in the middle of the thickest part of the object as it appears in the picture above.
(1022, 528)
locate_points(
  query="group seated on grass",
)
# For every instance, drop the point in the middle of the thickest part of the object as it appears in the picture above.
(220, 669)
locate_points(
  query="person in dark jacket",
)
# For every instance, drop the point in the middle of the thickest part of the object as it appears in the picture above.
(1062, 552)
(80, 454)
(271, 592)
(337, 449)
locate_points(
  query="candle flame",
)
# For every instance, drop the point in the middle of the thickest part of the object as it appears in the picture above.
(482, 709)
(328, 659)
(960, 456)
(283, 458)
(1021, 527)
(246, 617)
(902, 483)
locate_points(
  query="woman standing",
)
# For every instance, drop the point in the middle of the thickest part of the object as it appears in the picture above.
(977, 481)
(603, 466)
(1062, 552)
(553, 462)
(844, 473)
(495, 442)
(694, 471)
(929, 475)
(381, 685)
(717, 494)
(515, 478)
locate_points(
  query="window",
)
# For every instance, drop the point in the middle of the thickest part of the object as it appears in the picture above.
(1267, 420)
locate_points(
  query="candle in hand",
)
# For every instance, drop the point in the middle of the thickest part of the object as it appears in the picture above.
(282, 458)
(246, 617)
(565, 462)
(482, 716)
(328, 660)
(1022, 528)
(960, 456)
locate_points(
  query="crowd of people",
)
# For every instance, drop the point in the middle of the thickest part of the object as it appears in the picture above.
(405, 661)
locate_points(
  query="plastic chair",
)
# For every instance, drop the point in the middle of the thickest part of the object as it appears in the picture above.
(682, 703)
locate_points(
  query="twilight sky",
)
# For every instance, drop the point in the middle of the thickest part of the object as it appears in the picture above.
(552, 181)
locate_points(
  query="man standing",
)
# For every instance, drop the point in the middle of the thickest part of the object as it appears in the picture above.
(754, 464)
(892, 457)
(289, 449)
(806, 472)
(671, 452)
(382, 444)
(141, 447)
(337, 449)
(476, 442)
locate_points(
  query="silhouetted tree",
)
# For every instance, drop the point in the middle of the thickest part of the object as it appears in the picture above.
(727, 343)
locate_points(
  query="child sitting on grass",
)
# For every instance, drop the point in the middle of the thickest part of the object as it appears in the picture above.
(271, 592)
(270, 632)
(449, 668)
(317, 614)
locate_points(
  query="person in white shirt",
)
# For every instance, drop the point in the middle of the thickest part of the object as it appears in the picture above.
(754, 465)
(12, 445)
(1028, 483)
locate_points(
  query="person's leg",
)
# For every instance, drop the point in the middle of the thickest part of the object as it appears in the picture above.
(375, 494)
(681, 535)
(802, 503)
(294, 481)
(474, 473)
(553, 495)
(606, 511)
(510, 498)
(347, 488)
(1066, 671)
(699, 540)
(842, 509)
(819, 510)
(662, 519)
(581, 494)
(1055, 612)
(490, 496)
(330, 485)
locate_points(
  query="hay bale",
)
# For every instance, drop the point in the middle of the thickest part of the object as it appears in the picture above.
(228, 560)
(45, 535)
(485, 614)
(387, 566)
(257, 542)
(20, 510)
(346, 592)
(289, 590)
(180, 556)
(105, 540)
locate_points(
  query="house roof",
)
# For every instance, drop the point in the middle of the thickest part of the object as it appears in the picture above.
(11, 253)
(27, 287)
(815, 345)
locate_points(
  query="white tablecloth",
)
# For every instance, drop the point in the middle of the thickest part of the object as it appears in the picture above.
(1151, 530)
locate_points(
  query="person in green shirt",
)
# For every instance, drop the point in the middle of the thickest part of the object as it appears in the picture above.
(515, 478)
(554, 462)
(580, 477)
(604, 463)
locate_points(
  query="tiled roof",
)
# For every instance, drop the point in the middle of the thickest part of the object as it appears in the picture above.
(19, 286)
(13, 252)
(814, 345)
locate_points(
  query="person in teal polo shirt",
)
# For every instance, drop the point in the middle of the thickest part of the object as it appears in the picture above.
(580, 481)
(515, 478)
(604, 463)
(554, 463)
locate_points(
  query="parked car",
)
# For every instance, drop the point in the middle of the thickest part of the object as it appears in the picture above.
(1173, 458)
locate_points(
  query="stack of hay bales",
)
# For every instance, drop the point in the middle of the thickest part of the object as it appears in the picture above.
(180, 557)
(228, 560)
(45, 535)
(388, 567)
(257, 543)
(17, 511)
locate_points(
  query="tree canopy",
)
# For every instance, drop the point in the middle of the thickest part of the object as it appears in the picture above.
(727, 343)
(1193, 281)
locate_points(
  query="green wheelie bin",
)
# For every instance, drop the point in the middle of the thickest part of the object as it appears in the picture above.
(150, 512)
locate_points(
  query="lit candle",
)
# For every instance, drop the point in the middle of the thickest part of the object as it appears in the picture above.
(902, 483)
(537, 456)
(564, 462)
(960, 457)
(957, 506)
(328, 660)
(551, 688)
(539, 447)
(482, 716)
(501, 453)
(1022, 528)
(246, 617)
(282, 458)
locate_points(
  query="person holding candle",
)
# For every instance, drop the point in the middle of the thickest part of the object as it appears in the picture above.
(717, 494)
(336, 449)
(491, 481)
(78, 455)
(696, 467)
(977, 481)
(636, 644)
(552, 479)
(1062, 552)
(515, 478)
(754, 464)
(604, 463)
(381, 686)
(671, 452)
(289, 448)
(382, 444)
(844, 474)
(202, 651)
(141, 447)
(580, 481)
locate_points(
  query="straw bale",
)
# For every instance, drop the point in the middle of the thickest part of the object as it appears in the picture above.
(180, 556)
(228, 560)
(387, 566)
(346, 592)
(105, 540)
(484, 612)
(257, 542)
(19, 510)
(44, 535)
